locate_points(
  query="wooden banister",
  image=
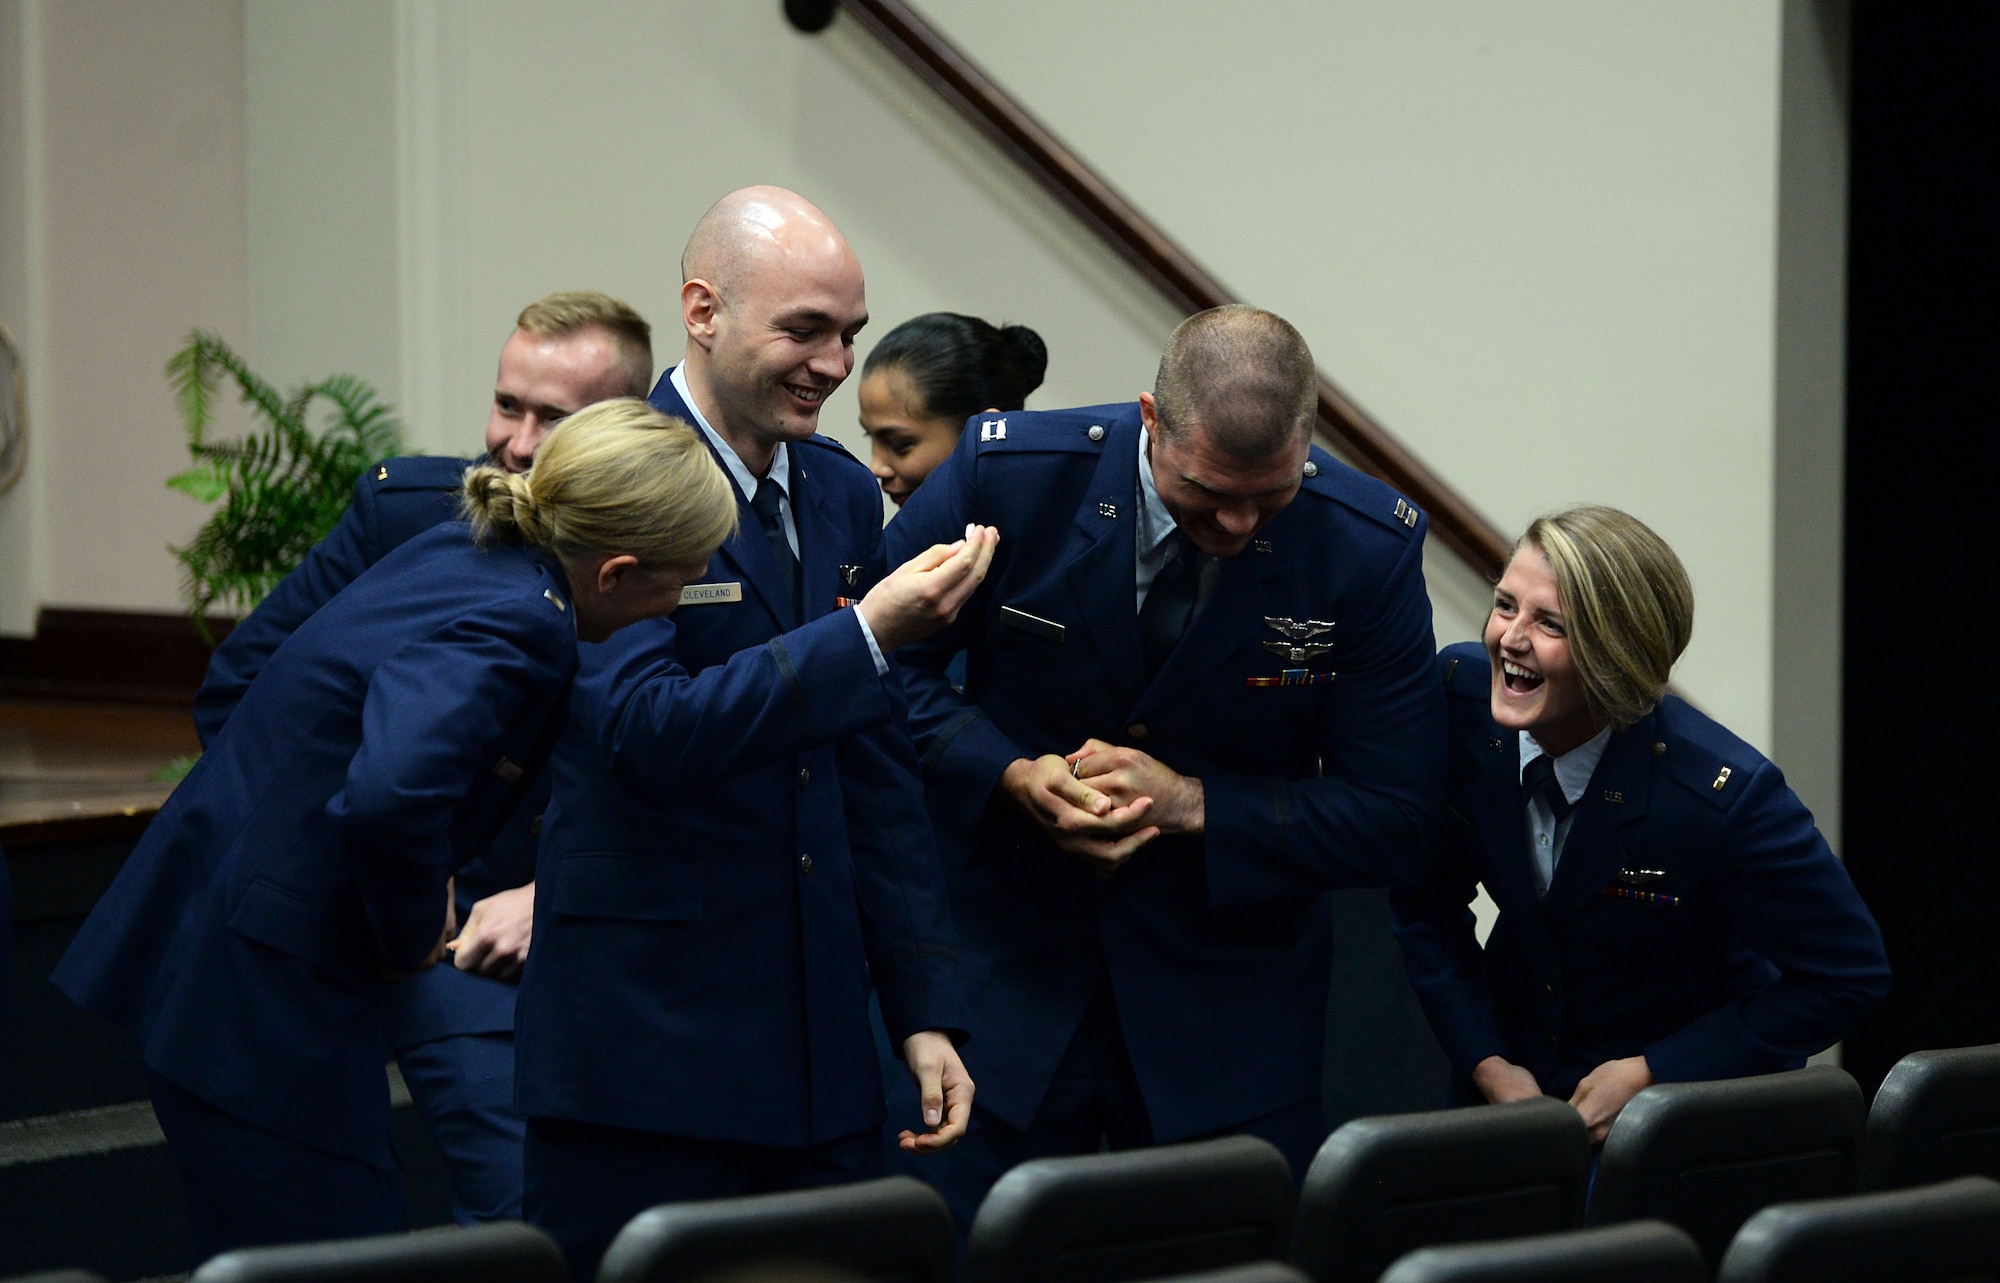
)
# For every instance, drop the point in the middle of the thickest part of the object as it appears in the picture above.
(1188, 285)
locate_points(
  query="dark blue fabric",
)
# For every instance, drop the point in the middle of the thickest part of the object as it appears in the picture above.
(585, 1181)
(1094, 1102)
(1696, 916)
(464, 1088)
(1217, 949)
(737, 848)
(246, 939)
(246, 1187)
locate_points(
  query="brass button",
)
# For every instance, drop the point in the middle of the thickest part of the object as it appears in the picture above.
(1138, 730)
(805, 777)
(805, 864)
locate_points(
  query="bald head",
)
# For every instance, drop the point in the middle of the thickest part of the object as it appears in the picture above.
(754, 227)
(772, 297)
(1244, 376)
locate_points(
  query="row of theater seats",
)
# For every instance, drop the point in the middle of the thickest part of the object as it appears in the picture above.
(1747, 1179)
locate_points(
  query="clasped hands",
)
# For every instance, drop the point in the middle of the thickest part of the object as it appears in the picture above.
(1103, 802)
(1600, 1097)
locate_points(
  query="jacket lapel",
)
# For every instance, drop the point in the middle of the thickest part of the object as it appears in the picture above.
(1245, 586)
(1594, 850)
(1496, 810)
(818, 545)
(1101, 575)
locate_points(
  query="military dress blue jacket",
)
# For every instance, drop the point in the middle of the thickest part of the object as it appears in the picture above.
(1319, 773)
(247, 937)
(394, 501)
(1696, 915)
(736, 844)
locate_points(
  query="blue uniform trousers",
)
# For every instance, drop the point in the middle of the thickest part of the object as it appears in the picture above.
(585, 1181)
(1093, 1104)
(246, 1187)
(463, 1085)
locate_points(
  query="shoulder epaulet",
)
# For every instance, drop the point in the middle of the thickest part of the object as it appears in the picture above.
(1080, 431)
(1330, 478)
(833, 444)
(1699, 754)
(417, 472)
(1464, 669)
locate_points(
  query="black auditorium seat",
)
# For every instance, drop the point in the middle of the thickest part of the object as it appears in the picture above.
(1707, 1155)
(1943, 1233)
(1636, 1252)
(896, 1228)
(1135, 1214)
(1937, 1115)
(502, 1252)
(1380, 1187)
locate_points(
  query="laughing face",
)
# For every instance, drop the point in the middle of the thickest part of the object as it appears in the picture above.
(1536, 685)
(782, 341)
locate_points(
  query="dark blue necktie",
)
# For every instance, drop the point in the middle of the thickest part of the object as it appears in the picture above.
(1540, 777)
(765, 504)
(1169, 603)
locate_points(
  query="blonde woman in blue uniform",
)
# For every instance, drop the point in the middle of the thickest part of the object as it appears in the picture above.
(1668, 910)
(306, 861)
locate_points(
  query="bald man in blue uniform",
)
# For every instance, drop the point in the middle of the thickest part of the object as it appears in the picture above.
(737, 848)
(451, 1028)
(1198, 696)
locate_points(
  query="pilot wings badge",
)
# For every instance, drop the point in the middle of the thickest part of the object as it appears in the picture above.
(1298, 646)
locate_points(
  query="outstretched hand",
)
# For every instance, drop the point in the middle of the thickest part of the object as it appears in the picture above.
(926, 592)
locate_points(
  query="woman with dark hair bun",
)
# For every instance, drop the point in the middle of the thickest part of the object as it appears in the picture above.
(927, 377)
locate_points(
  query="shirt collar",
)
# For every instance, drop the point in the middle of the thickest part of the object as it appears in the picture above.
(781, 467)
(1155, 522)
(1574, 768)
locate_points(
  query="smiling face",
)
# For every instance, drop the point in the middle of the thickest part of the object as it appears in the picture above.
(543, 381)
(1536, 684)
(904, 442)
(773, 342)
(1219, 500)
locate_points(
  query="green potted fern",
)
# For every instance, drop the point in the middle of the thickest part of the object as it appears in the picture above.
(280, 488)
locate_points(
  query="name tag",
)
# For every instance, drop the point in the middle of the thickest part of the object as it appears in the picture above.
(710, 594)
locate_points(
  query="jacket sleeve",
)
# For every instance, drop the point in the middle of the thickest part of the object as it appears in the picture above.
(667, 732)
(334, 562)
(1791, 903)
(432, 723)
(962, 752)
(1372, 818)
(1433, 922)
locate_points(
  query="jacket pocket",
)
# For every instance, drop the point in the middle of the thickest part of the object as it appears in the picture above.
(295, 924)
(637, 888)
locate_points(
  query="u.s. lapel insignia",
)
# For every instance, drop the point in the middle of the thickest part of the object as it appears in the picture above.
(1261, 545)
(1106, 508)
(850, 575)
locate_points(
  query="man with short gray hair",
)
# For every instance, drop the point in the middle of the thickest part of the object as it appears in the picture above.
(1154, 776)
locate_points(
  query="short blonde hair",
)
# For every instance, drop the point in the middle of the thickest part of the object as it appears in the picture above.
(572, 311)
(1627, 604)
(615, 477)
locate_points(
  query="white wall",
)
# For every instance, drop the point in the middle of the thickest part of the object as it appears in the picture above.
(129, 145)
